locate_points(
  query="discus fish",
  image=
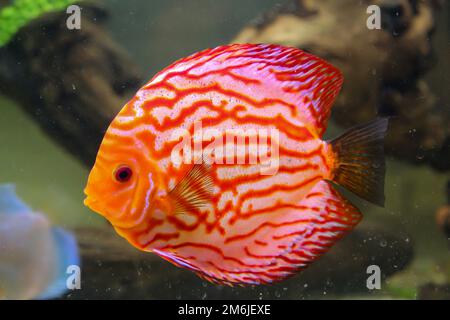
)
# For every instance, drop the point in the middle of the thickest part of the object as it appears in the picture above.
(33, 255)
(231, 221)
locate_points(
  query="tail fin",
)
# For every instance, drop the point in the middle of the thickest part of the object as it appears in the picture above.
(360, 165)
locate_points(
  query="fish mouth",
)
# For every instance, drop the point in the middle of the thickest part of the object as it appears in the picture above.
(91, 202)
(98, 206)
(88, 202)
(95, 206)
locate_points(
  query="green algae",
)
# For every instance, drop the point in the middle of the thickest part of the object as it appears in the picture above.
(21, 12)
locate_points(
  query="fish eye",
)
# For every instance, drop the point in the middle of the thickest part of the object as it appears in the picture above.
(123, 174)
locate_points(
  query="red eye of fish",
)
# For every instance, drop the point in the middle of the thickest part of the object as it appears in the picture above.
(123, 174)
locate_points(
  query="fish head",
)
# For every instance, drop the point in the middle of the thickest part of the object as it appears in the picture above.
(121, 185)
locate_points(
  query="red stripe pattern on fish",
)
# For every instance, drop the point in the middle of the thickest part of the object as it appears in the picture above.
(226, 220)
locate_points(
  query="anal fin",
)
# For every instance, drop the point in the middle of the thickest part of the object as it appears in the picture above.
(268, 247)
(335, 217)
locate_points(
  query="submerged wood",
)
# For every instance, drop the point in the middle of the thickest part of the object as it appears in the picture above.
(384, 69)
(113, 269)
(71, 82)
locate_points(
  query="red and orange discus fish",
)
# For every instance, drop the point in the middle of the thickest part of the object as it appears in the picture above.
(252, 220)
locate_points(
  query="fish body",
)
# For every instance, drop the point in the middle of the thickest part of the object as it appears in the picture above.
(250, 220)
(34, 255)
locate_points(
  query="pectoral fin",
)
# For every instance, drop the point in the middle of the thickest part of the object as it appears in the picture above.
(194, 191)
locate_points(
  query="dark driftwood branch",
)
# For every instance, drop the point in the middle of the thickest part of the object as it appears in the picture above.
(71, 83)
(383, 68)
(113, 269)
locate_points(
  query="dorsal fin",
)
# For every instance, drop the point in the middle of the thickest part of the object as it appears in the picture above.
(309, 82)
(268, 73)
